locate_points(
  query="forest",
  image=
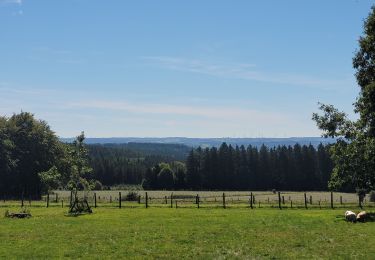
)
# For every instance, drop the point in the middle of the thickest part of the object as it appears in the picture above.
(294, 168)
(33, 161)
(115, 164)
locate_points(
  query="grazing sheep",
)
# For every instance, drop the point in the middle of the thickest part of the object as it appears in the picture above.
(350, 216)
(362, 216)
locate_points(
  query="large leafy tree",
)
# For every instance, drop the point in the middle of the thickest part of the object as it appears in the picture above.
(27, 147)
(34, 161)
(354, 152)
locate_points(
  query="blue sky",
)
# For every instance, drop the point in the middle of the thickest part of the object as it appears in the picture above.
(178, 68)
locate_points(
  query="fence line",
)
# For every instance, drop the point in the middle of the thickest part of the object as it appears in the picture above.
(277, 201)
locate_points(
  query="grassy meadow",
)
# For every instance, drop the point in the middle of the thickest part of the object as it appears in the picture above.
(204, 233)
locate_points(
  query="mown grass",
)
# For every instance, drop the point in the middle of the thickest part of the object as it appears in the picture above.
(204, 233)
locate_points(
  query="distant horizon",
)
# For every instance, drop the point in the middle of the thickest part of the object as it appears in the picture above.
(189, 137)
(208, 142)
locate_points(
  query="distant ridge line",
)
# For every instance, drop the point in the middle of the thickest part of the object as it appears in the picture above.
(209, 142)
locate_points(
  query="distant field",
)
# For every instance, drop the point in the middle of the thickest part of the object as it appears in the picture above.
(189, 233)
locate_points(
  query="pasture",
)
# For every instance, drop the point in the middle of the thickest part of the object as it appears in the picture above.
(203, 233)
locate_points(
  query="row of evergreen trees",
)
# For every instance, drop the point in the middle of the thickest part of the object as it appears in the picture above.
(239, 168)
(127, 164)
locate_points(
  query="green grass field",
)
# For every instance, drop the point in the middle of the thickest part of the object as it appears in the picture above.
(203, 233)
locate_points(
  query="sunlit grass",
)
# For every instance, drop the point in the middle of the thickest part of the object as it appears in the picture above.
(185, 232)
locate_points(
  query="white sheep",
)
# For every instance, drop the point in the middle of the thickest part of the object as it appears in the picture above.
(361, 217)
(350, 216)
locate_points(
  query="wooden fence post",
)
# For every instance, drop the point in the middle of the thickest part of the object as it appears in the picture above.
(223, 200)
(331, 200)
(283, 200)
(291, 204)
(172, 200)
(305, 200)
(139, 199)
(166, 200)
(22, 200)
(56, 198)
(95, 199)
(176, 203)
(251, 200)
(119, 200)
(146, 200)
(311, 200)
(279, 199)
(47, 200)
(198, 201)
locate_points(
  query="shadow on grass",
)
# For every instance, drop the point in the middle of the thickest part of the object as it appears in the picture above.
(76, 214)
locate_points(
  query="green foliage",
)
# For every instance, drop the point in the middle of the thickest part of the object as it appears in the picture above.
(239, 168)
(27, 147)
(96, 185)
(166, 178)
(51, 179)
(333, 122)
(33, 160)
(131, 196)
(80, 169)
(117, 164)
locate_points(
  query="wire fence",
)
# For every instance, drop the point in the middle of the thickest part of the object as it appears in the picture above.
(153, 199)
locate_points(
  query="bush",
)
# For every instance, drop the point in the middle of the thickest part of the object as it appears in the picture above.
(372, 196)
(96, 185)
(131, 196)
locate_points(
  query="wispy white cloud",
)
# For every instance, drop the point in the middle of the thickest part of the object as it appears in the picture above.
(72, 61)
(47, 54)
(19, 12)
(68, 114)
(18, 2)
(240, 71)
(212, 112)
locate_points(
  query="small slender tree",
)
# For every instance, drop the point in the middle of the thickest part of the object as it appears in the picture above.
(80, 172)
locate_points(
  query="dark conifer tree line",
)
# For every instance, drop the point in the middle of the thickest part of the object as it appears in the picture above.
(127, 163)
(294, 168)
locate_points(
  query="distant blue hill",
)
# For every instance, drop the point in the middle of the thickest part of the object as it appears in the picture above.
(209, 142)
